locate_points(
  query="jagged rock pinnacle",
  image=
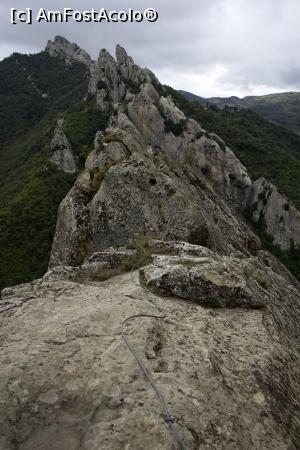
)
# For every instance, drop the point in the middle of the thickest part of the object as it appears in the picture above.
(122, 56)
(62, 48)
(113, 78)
(62, 156)
(105, 57)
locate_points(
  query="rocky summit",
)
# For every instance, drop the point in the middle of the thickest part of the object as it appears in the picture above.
(152, 236)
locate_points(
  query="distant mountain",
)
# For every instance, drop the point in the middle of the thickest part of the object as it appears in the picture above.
(282, 109)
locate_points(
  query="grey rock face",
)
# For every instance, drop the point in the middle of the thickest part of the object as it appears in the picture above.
(62, 156)
(282, 220)
(129, 189)
(229, 375)
(111, 79)
(60, 47)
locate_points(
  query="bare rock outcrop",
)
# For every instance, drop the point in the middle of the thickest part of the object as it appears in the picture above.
(229, 375)
(128, 189)
(152, 171)
(60, 47)
(112, 80)
(208, 280)
(119, 81)
(136, 102)
(61, 151)
(280, 219)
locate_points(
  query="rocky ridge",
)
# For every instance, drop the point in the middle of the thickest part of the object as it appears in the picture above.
(150, 162)
(157, 161)
(226, 356)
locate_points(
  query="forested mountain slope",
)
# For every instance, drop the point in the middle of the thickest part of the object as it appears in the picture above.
(35, 90)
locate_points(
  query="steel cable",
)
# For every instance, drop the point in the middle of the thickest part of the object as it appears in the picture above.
(169, 419)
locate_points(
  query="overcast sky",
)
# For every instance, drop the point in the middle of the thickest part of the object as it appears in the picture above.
(209, 47)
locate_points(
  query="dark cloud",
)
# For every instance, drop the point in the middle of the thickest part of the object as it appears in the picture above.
(215, 47)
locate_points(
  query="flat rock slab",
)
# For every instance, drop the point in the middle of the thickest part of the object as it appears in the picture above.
(67, 380)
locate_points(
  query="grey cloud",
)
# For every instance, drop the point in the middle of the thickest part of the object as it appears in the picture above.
(216, 47)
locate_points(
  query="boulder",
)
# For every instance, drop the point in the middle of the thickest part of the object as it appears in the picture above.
(209, 279)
